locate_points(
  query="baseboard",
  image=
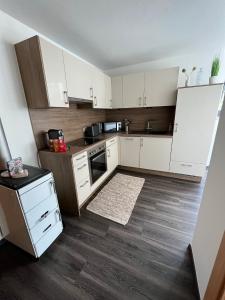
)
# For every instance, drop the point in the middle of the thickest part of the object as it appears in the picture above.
(195, 274)
(196, 179)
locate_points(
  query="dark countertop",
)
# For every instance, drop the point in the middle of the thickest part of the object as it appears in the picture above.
(76, 149)
(34, 173)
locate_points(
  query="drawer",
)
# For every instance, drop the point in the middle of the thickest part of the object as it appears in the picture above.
(81, 170)
(111, 141)
(83, 190)
(48, 239)
(187, 168)
(80, 158)
(41, 211)
(36, 195)
(45, 226)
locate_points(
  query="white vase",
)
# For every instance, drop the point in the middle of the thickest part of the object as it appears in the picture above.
(213, 79)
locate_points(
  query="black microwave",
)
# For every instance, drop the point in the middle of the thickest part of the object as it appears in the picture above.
(111, 127)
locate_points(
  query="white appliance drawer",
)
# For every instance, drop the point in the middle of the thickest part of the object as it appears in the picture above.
(36, 195)
(48, 239)
(83, 190)
(81, 170)
(41, 211)
(46, 225)
(187, 168)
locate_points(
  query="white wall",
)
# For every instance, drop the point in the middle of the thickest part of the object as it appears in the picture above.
(211, 221)
(13, 108)
(200, 60)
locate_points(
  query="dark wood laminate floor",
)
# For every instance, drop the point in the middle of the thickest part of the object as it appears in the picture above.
(95, 258)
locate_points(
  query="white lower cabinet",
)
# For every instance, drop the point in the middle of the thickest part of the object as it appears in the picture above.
(112, 154)
(155, 153)
(83, 190)
(129, 151)
(188, 168)
(31, 215)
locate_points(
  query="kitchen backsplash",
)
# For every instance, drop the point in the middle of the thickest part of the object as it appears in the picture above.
(71, 120)
(160, 117)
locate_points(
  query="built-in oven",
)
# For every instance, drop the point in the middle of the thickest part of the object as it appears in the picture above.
(97, 162)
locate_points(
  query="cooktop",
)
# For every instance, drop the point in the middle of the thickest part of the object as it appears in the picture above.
(84, 141)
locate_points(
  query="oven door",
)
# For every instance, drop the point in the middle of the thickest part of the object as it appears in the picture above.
(98, 165)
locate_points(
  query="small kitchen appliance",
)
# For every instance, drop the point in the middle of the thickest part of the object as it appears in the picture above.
(111, 127)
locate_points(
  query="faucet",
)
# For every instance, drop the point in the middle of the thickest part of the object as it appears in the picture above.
(149, 127)
(126, 123)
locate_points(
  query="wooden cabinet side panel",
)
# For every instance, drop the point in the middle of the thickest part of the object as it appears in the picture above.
(31, 69)
(62, 169)
(15, 229)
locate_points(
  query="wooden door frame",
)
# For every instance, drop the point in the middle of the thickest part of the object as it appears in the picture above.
(216, 286)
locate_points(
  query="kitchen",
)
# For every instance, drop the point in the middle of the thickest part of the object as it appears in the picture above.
(126, 122)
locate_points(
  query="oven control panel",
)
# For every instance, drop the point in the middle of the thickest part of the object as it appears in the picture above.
(96, 150)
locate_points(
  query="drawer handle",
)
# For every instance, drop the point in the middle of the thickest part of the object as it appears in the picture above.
(47, 228)
(53, 185)
(82, 185)
(129, 139)
(44, 215)
(186, 165)
(83, 156)
(59, 214)
(80, 168)
(112, 141)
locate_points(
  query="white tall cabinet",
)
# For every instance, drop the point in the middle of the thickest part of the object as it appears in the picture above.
(195, 121)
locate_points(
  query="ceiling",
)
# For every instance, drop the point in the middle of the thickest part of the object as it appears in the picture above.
(114, 33)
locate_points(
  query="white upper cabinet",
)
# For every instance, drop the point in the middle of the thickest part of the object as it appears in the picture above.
(133, 90)
(99, 89)
(117, 92)
(195, 121)
(79, 75)
(155, 153)
(108, 92)
(161, 87)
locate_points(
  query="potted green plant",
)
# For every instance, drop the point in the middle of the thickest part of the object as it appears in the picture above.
(214, 70)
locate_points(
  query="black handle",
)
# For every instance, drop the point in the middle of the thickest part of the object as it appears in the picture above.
(44, 215)
(47, 228)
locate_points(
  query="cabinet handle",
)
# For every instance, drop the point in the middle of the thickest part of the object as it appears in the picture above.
(80, 168)
(59, 214)
(139, 100)
(186, 165)
(47, 228)
(82, 185)
(142, 142)
(66, 101)
(145, 100)
(91, 92)
(108, 150)
(175, 127)
(129, 139)
(95, 101)
(53, 186)
(44, 215)
(83, 156)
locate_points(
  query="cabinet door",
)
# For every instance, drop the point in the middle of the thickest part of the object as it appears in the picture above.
(112, 157)
(98, 89)
(54, 70)
(195, 120)
(133, 90)
(129, 151)
(117, 92)
(155, 153)
(161, 87)
(108, 92)
(79, 77)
